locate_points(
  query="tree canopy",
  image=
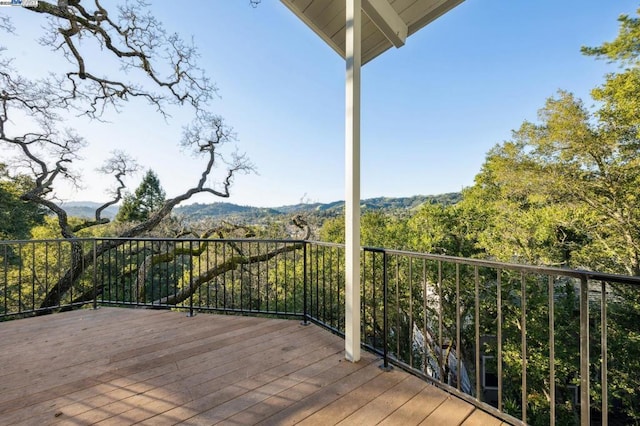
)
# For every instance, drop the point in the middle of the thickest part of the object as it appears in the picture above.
(148, 197)
(17, 217)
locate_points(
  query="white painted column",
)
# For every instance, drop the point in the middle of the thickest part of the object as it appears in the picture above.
(352, 181)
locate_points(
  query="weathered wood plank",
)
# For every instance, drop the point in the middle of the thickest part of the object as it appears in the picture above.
(416, 409)
(481, 418)
(386, 403)
(118, 366)
(451, 411)
(355, 399)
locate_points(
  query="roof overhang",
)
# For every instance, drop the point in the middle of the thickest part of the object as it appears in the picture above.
(385, 23)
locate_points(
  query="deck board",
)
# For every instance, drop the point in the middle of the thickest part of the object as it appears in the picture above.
(116, 366)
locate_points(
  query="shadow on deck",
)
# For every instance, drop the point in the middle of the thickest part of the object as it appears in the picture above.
(127, 366)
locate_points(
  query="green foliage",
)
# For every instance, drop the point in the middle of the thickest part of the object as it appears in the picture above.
(564, 191)
(148, 198)
(17, 217)
(378, 229)
(626, 46)
(444, 229)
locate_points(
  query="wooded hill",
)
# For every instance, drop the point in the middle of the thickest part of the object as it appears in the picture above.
(250, 214)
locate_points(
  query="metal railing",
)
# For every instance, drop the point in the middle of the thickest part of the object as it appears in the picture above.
(527, 344)
(243, 276)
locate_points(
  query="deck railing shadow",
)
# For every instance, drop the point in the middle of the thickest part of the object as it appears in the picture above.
(527, 344)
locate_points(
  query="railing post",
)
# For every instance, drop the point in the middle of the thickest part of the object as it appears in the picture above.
(385, 343)
(552, 354)
(305, 315)
(95, 274)
(191, 314)
(585, 407)
(604, 374)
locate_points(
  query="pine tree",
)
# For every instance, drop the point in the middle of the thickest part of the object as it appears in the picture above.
(148, 197)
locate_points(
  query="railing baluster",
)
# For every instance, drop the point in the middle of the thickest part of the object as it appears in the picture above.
(191, 289)
(410, 331)
(324, 288)
(224, 283)
(95, 273)
(285, 283)
(499, 335)
(46, 268)
(552, 353)
(243, 293)
(604, 354)
(175, 272)
(477, 329)
(397, 308)
(20, 280)
(316, 294)
(331, 278)
(523, 336)
(5, 262)
(305, 273)
(458, 326)
(425, 296)
(440, 345)
(585, 409)
(33, 278)
(60, 254)
(385, 319)
(374, 305)
(207, 260)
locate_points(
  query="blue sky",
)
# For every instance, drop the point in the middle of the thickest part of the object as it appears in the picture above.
(431, 109)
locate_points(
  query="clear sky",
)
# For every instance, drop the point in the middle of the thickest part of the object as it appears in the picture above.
(430, 110)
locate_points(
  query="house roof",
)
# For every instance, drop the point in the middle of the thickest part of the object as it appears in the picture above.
(385, 23)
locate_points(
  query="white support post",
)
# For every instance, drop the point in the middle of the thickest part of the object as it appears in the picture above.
(352, 177)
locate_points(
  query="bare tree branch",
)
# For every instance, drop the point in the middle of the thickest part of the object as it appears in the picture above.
(138, 42)
(119, 165)
(140, 59)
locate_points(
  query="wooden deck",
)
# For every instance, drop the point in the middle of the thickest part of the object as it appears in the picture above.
(129, 366)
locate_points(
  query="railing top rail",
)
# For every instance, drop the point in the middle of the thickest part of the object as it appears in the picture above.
(48, 240)
(326, 244)
(573, 273)
(154, 239)
(548, 270)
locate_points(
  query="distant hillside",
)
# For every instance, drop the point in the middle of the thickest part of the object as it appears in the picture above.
(87, 209)
(198, 211)
(229, 211)
(249, 214)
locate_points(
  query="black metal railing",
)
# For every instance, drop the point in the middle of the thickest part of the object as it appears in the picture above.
(528, 344)
(243, 276)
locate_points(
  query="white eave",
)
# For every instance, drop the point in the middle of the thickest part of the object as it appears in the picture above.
(385, 23)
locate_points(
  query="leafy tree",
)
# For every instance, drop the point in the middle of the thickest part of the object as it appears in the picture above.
(17, 217)
(444, 229)
(563, 191)
(378, 229)
(148, 198)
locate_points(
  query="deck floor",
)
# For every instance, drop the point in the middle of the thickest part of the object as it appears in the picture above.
(132, 366)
